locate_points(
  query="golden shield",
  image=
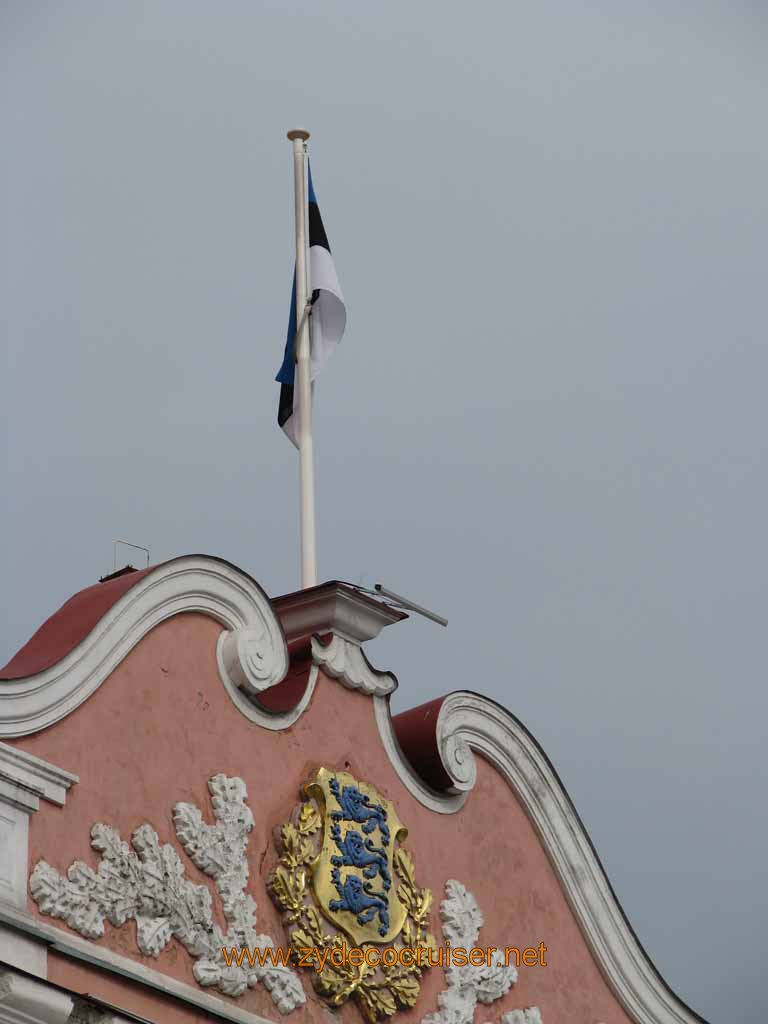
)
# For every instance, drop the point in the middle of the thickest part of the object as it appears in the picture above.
(352, 877)
(342, 877)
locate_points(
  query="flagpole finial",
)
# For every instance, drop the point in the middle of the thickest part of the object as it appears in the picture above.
(298, 133)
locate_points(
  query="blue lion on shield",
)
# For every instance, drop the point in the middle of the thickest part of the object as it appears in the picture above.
(357, 852)
(356, 806)
(356, 896)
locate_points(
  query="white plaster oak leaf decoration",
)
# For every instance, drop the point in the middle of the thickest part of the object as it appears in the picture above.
(148, 884)
(532, 1015)
(467, 986)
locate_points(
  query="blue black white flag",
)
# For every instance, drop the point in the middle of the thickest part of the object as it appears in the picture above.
(327, 322)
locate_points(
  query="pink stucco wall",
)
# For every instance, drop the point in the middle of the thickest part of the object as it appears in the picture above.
(162, 725)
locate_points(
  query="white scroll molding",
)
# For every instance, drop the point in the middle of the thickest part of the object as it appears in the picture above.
(255, 650)
(469, 724)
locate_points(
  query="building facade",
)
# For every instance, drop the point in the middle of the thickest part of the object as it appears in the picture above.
(208, 813)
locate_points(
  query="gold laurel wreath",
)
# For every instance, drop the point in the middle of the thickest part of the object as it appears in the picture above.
(379, 990)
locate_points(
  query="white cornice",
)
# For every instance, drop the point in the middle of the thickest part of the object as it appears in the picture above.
(38, 778)
(27, 1000)
(258, 656)
(334, 608)
(25, 780)
(469, 724)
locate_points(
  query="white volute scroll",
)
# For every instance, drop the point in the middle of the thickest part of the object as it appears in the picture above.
(256, 651)
(469, 724)
(148, 883)
(345, 661)
(469, 985)
(246, 656)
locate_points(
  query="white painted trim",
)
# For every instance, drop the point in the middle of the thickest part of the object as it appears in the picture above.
(274, 721)
(99, 956)
(340, 660)
(25, 1000)
(12, 794)
(469, 724)
(193, 583)
(17, 950)
(24, 781)
(441, 803)
(14, 851)
(32, 773)
(345, 661)
(251, 652)
(246, 660)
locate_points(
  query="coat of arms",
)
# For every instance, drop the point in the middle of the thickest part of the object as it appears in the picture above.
(340, 866)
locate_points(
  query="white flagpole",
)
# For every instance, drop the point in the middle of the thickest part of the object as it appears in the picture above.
(303, 379)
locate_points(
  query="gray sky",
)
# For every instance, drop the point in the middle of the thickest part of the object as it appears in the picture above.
(547, 419)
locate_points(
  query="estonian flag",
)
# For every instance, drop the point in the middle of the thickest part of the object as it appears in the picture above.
(327, 322)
